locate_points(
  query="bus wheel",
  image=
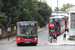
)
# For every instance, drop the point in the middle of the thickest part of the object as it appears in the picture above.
(35, 44)
(18, 44)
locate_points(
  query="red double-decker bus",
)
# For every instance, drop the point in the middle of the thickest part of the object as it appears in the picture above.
(27, 32)
(57, 25)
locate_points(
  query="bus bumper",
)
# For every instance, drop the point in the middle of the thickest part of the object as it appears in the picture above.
(27, 41)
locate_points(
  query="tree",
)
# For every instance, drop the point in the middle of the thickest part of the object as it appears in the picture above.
(44, 12)
(3, 20)
(56, 9)
(24, 10)
(65, 6)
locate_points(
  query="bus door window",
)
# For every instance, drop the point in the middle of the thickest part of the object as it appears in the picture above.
(33, 31)
(62, 28)
(26, 30)
(56, 24)
(62, 20)
(65, 20)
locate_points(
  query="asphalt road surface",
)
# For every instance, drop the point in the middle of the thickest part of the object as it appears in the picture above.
(43, 38)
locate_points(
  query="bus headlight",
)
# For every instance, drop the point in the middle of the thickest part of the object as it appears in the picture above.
(18, 38)
(35, 38)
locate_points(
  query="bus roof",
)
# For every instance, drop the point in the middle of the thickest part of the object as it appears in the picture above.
(57, 17)
(27, 22)
(61, 14)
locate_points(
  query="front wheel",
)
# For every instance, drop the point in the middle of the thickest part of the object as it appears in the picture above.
(18, 44)
(35, 44)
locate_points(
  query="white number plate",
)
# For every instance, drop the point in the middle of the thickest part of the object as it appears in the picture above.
(27, 42)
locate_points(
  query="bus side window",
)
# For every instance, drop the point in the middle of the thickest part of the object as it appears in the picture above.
(67, 18)
(60, 20)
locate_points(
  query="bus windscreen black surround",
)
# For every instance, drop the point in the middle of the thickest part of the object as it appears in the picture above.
(26, 29)
(31, 24)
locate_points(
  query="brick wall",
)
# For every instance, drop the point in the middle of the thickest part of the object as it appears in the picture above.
(5, 32)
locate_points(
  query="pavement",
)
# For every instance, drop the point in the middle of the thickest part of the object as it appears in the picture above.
(13, 38)
(60, 41)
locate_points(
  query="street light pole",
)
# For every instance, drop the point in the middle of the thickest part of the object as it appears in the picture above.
(22, 10)
(9, 27)
(45, 13)
(57, 6)
(51, 3)
(0, 7)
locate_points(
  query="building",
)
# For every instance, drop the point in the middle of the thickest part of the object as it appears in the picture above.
(70, 9)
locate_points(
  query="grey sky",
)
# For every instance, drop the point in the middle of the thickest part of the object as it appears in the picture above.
(53, 3)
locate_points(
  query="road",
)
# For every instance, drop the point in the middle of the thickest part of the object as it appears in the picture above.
(43, 38)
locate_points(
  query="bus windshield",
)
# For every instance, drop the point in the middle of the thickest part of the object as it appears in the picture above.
(55, 21)
(26, 30)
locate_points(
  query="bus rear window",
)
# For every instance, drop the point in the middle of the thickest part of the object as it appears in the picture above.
(54, 20)
(56, 24)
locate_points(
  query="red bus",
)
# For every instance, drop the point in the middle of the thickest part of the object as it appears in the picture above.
(66, 19)
(27, 32)
(57, 25)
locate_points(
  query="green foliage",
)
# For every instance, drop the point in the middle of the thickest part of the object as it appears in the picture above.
(24, 10)
(56, 9)
(65, 6)
(45, 12)
(3, 20)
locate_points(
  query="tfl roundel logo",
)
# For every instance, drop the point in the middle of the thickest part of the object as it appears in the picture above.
(51, 25)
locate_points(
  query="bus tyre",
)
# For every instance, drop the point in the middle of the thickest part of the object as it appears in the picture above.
(35, 44)
(18, 44)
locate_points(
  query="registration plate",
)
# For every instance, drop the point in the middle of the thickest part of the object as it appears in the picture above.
(27, 42)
